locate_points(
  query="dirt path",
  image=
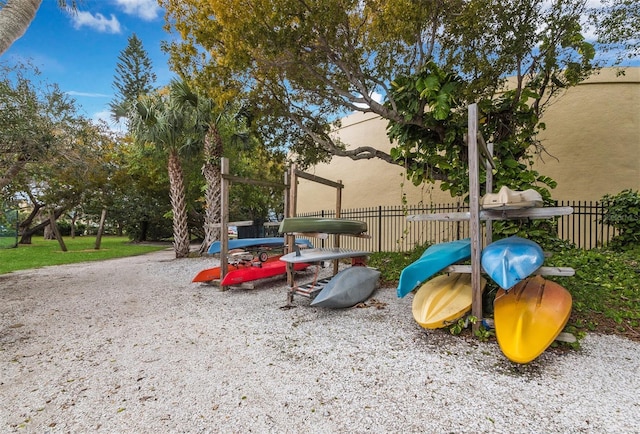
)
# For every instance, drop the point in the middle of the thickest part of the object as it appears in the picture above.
(131, 345)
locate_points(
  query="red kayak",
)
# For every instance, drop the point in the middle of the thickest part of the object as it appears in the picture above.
(211, 274)
(260, 270)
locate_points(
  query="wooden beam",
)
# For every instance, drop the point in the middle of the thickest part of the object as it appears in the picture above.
(240, 180)
(507, 214)
(319, 180)
(543, 271)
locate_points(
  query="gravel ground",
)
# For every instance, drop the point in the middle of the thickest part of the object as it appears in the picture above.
(131, 345)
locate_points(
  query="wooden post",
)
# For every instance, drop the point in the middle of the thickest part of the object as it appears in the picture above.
(291, 212)
(474, 214)
(336, 242)
(224, 220)
(56, 232)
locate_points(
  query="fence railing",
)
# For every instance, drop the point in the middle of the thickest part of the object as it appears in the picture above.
(8, 228)
(389, 230)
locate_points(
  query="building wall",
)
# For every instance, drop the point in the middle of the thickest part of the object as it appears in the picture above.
(592, 139)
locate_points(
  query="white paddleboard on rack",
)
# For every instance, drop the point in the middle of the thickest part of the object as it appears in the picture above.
(317, 255)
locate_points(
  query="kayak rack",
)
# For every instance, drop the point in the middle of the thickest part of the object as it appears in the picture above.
(480, 151)
(309, 290)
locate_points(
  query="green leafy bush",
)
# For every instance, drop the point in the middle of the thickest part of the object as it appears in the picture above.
(622, 211)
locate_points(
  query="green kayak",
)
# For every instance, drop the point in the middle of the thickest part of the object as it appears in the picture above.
(322, 225)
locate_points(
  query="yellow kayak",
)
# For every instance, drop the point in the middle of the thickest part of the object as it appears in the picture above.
(529, 317)
(442, 300)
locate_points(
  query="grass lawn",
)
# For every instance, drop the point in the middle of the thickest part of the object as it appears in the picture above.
(80, 249)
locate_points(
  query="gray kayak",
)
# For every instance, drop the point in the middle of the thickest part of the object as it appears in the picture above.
(349, 287)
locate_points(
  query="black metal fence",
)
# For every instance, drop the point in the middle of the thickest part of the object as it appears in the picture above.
(8, 228)
(389, 230)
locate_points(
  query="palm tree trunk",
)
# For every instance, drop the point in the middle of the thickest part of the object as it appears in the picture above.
(213, 178)
(178, 205)
(15, 18)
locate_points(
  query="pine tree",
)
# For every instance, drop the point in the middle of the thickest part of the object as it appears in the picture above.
(134, 77)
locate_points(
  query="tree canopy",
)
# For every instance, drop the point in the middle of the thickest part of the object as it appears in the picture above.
(306, 64)
(36, 120)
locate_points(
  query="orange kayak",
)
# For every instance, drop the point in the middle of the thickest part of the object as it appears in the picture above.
(529, 317)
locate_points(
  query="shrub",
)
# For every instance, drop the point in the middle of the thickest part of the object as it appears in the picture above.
(622, 211)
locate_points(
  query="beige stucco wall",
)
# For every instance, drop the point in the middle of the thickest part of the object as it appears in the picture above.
(593, 136)
(594, 132)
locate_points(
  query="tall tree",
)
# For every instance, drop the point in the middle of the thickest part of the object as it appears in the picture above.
(34, 121)
(206, 131)
(134, 77)
(306, 64)
(162, 119)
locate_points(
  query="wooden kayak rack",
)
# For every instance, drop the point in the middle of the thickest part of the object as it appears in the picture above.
(480, 151)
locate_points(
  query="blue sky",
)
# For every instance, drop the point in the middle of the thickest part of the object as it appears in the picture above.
(79, 51)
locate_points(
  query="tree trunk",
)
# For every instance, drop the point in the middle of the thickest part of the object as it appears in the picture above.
(27, 232)
(178, 205)
(213, 178)
(56, 232)
(15, 18)
(74, 219)
(103, 217)
(49, 234)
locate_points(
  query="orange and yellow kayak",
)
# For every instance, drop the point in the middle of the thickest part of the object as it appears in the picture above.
(529, 317)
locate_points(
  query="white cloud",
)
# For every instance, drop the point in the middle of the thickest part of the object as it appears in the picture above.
(97, 22)
(107, 117)
(88, 94)
(148, 10)
(378, 97)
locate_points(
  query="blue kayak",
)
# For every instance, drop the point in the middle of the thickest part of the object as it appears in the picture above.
(434, 259)
(510, 260)
(255, 243)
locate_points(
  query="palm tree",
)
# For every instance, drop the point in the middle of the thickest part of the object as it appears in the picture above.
(161, 118)
(208, 124)
(205, 127)
(16, 16)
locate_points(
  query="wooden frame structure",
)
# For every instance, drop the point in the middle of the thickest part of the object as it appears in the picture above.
(227, 179)
(290, 198)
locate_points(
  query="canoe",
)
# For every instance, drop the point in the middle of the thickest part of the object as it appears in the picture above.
(211, 274)
(434, 259)
(444, 299)
(530, 317)
(349, 287)
(510, 260)
(255, 243)
(319, 254)
(322, 225)
(261, 270)
(511, 199)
